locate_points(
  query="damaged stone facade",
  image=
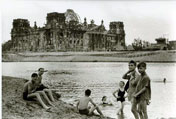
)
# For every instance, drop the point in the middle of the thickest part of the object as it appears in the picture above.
(65, 32)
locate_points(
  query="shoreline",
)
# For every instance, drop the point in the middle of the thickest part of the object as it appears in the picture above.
(13, 106)
(97, 61)
(121, 56)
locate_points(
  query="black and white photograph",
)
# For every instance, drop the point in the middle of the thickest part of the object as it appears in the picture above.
(88, 59)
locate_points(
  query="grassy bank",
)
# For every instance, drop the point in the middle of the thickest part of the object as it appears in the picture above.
(123, 56)
(14, 107)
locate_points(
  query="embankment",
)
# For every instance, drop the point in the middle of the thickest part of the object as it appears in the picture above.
(123, 56)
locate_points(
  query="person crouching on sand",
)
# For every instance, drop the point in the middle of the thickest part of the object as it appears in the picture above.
(30, 93)
(83, 102)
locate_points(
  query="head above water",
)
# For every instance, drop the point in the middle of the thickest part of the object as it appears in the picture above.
(88, 92)
(132, 65)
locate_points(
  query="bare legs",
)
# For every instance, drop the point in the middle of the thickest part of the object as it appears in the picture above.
(120, 110)
(49, 98)
(45, 97)
(134, 108)
(50, 95)
(37, 95)
(143, 109)
(95, 108)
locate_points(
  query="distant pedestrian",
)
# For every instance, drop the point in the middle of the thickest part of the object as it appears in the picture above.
(164, 80)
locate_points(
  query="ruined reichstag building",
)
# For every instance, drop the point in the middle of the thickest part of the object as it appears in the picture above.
(65, 32)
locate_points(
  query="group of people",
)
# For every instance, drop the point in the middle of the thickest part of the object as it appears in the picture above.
(137, 88)
(34, 89)
(138, 91)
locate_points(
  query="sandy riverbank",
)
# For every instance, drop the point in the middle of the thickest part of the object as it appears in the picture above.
(123, 56)
(14, 107)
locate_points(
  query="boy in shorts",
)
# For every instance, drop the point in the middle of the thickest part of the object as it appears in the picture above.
(143, 91)
(40, 73)
(82, 105)
(132, 76)
(41, 87)
(30, 93)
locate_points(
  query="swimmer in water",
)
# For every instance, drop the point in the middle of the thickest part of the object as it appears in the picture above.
(106, 102)
(164, 80)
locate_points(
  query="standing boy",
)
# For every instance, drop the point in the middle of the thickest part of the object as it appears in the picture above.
(82, 105)
(143, 91)
(132, 76)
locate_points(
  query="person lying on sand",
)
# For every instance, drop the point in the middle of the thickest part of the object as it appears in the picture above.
(30, 93)
(83, 102)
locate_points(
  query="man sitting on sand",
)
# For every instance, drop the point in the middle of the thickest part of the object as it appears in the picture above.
(40, 73)
(30, 92)
(82, 105)
(41, 87)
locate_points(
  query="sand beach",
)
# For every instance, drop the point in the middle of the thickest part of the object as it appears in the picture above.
(14, 107)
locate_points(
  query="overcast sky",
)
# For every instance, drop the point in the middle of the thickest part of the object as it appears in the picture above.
(146, 19)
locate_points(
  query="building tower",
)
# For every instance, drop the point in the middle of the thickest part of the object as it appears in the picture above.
(20, 33)
(118, 29)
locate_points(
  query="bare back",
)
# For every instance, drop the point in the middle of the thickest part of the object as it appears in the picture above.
(83, 103)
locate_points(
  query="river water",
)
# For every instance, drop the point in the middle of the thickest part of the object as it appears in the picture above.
(72, 78)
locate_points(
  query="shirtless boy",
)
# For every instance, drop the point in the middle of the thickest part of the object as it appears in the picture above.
(82, 105)
(40, 73)
(30, 93)
(42, 87)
